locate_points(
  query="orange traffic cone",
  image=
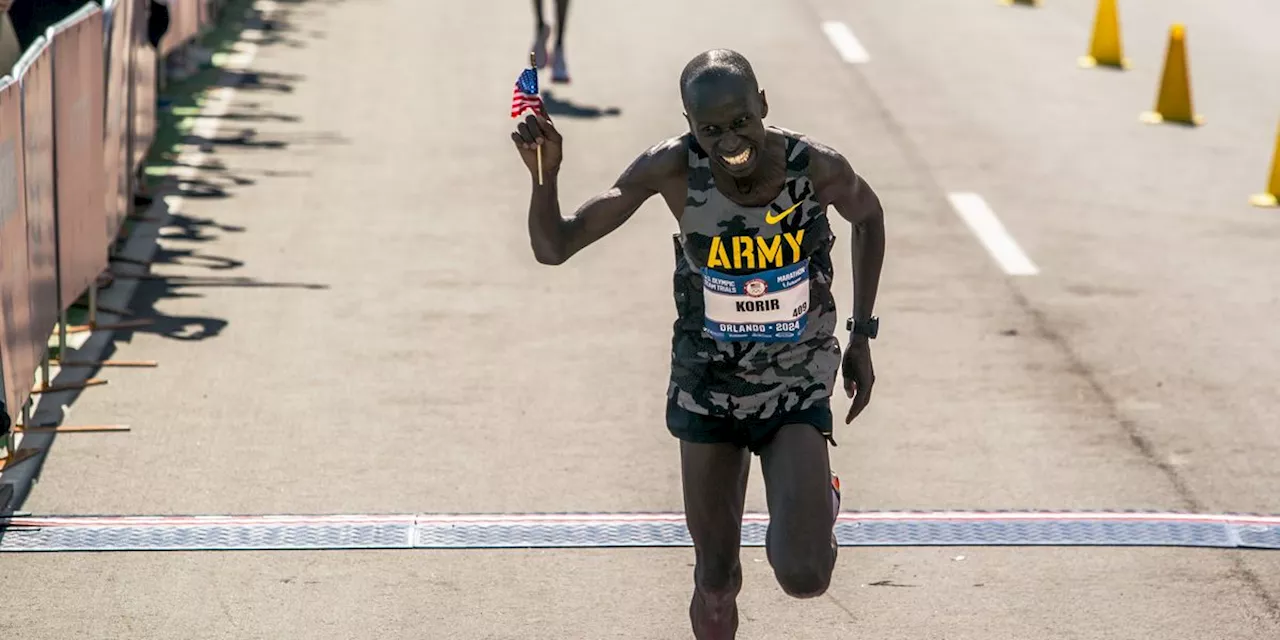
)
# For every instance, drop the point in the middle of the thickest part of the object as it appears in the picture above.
(1106, 49)
(1173, 104)
(1272, 196)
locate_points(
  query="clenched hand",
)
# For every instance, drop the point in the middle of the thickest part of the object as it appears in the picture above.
(859, 376)
(534, 131)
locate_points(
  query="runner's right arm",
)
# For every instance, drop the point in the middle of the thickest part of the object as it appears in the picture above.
(556, 239)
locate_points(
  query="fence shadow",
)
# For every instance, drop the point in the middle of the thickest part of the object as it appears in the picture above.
(134, 291)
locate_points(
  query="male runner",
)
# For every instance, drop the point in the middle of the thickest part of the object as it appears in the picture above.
(754, 352)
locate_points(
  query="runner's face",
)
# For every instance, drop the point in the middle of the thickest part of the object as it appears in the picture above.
(729, 125)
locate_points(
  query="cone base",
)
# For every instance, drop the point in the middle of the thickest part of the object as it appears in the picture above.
(1266, 200)
(1089, 62)
(1153, 117)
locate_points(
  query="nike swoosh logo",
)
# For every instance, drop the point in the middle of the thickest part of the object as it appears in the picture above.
(775, 218)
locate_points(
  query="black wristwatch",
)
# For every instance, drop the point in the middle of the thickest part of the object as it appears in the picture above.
(869, 328)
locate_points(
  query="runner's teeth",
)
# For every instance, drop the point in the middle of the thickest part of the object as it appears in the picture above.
(740, 158)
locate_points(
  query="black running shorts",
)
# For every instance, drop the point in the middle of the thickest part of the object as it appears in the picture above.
(752, 434)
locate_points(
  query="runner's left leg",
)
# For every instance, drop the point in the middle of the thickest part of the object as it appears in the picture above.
(540, 34)
(798, 489)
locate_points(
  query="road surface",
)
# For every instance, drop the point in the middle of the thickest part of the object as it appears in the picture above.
(370, 333)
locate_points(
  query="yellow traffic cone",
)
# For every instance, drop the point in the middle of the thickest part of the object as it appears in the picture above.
(1173, 104)
(1272, 197)
(1106, 48)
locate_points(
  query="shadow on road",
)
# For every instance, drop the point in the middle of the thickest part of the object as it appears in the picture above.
(558, 107)
(208, 178)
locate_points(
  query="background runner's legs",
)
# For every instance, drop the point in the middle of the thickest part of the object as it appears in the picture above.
(559, 68)
(562, 19)
(540, 34)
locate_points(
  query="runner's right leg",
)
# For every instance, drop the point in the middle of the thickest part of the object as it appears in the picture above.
(715, 487)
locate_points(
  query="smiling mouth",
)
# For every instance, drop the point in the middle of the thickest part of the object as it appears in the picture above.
(738, 160)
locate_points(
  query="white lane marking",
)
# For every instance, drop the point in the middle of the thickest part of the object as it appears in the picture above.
(842, 38)
(984, 224)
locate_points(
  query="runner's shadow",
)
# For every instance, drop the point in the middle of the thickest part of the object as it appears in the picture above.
(558, 107)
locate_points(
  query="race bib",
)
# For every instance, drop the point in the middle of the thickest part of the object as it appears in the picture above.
(770, 306)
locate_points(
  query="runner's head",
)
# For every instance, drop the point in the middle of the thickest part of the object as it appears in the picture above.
(725, 109)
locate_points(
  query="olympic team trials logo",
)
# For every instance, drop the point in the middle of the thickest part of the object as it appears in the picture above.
(755, 288)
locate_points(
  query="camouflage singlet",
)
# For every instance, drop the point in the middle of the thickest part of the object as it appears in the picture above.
(748, 342)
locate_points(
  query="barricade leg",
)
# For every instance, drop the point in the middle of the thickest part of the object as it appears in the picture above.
(46, 385)
(13, 455)
(94, 325)
(64, 362)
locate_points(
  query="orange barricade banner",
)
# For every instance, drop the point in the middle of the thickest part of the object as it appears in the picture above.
(78, 84)
(17, 364)
(144, 86)
(116, 127)
(35, 79)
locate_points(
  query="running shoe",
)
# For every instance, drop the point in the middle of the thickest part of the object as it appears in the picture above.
(835, 507)
(559, 70)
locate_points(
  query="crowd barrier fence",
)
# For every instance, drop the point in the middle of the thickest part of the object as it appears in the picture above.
(77, 119)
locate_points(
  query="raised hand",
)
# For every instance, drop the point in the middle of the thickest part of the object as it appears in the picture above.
(534, 131)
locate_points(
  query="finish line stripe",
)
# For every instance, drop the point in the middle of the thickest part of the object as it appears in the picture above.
(600, 530)
(602, 518)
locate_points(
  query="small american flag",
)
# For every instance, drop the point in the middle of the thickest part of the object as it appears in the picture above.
(525, 95)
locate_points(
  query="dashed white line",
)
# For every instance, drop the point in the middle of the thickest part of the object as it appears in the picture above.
(842, 38)
(984, 224)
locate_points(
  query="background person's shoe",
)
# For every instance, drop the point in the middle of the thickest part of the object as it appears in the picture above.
(559, 71)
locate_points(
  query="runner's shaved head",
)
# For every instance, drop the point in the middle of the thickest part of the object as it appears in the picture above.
(716, 70)
(725, 109)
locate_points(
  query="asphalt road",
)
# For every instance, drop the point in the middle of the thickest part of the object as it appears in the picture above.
(399, 350)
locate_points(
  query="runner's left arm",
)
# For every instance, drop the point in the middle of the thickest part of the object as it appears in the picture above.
(840, 186)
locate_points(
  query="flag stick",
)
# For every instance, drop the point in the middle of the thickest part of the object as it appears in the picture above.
(534, 65)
